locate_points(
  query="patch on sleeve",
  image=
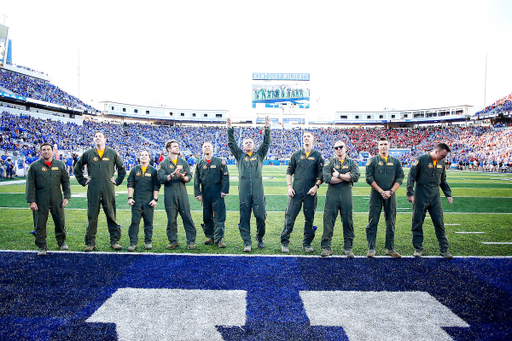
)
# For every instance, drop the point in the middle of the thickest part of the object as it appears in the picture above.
(369, 162)
(326, 162)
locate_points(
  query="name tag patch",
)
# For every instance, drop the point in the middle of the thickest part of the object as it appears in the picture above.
(213, 166)
(55, 168)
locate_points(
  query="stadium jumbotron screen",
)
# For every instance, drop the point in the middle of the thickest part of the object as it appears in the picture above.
(274, 90)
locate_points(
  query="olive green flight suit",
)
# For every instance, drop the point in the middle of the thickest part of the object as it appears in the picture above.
(143, 184)
(385, 174)
(176, 200)
(210, 180)
(428, 178)
(44, 188)
(306, 171)
(101, 189)
(250, 186)
(338, 199)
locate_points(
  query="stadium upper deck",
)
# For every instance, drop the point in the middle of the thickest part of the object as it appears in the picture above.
(500, 108)
(469, 143)
(22, 88)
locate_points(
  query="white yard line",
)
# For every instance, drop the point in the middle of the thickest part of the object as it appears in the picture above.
(149, 254)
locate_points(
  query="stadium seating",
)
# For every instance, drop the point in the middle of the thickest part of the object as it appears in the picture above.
(39, 89)
(501, 106)
(490, 146)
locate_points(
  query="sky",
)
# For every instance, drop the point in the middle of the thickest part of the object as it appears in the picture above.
(361, 55)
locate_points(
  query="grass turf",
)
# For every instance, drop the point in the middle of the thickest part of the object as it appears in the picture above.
(482, 203)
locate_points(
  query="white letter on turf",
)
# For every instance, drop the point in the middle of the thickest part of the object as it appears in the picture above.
(381, 315)
(172, 314)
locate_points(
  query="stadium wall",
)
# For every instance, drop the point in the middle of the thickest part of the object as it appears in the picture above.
(459, 113)
(176, 115)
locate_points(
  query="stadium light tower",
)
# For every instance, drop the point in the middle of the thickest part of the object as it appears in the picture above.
(485, 81)
(78, 67)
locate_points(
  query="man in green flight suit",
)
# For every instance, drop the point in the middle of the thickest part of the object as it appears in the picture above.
(385, 175)
(340, 172)
(101, 164)
(143, 187)
(43, 192)
(306, 166)
(250, 185)
(428, 172)
(211, 185)
(174, 173)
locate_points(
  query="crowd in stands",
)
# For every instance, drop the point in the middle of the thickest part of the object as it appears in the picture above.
(500, 107)
(39, 89)
(473, 147)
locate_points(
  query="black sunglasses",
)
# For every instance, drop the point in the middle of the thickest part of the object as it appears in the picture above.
(338, 147)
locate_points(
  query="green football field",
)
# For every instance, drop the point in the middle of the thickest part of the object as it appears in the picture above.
(478, 223)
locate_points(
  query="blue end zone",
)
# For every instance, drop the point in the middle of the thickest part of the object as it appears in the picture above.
(49, 298)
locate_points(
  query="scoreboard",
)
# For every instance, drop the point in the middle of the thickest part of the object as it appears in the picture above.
(277, 90)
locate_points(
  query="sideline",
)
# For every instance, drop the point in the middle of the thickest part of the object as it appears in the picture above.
(113, 253)
(15, 182)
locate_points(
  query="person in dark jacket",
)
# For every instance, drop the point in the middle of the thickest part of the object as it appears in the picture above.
(47, 179)
(101, 163)
(211, 185)
(340, 172)
(427, 175)
(250, 185)
(143, 187)
(306, 167)
(174, 173)
(385, 175)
